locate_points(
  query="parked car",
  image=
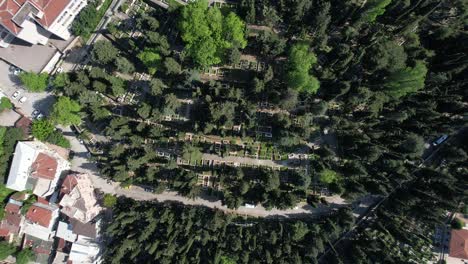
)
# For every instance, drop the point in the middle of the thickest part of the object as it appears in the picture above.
(17, 71)
(15, 95)
(440, 140)
(39, 116)
(35, 113)
(151, 190)
(23, 99)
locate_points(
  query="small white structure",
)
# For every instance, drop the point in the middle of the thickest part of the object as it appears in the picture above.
(36, 167)
(65, 231)
(84, 251)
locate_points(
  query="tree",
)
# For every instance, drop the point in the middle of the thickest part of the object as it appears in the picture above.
(34, 82)
(387, 55)
(66, 112)
(300, 61)
(233, 56)
(171, 103)
(328, 176)
(104, 52)
(157, 86)
(172, 66)
(413, 146)
(124, 65)
(109, 200)
(6, 249)
(373, 9)
(406, 81)
(457, 224)
(60, 80)
(41, 129)
(5, 103)
(191, 153)
(24, 256)
(208, 34)
(151, 59)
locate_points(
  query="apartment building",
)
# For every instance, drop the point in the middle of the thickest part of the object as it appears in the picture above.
(35, 21)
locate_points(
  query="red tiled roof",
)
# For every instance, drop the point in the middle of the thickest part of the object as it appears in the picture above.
(12, 208)
(18, 196)
(459, 244)
(4, 232)
(50, 8)
(7, 10)
(13, 219)
(68, 184)
(42, 200)
(44, 167)
(24, 123)
(39, 215)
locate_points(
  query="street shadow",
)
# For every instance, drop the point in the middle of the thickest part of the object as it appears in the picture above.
(89, 166)
(76, 55)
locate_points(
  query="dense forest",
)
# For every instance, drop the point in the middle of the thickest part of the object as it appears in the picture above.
(172, 233)
(362, 87)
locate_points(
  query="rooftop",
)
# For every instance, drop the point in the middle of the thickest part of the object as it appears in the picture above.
(459, 244)
(39, 215)
(44, 167)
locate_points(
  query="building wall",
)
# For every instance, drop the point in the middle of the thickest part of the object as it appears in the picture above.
(61, 26)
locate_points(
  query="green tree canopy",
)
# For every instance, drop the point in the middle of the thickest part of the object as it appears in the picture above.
(66, 112)
(406, 81)
(34, 82)
(208, 34)
(24, 256)
(300, 61)
(328, 176)
(41, 129)
(6, 249)
(124, 65)
(151, 59)
(109, 200)
(191, 153)
(104, 52)
(5, 103)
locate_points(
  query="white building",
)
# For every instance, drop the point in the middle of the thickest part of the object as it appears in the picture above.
(36, 167)
(84, 251)
(35, 21)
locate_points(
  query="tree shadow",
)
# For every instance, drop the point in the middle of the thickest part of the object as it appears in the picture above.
(44, 105)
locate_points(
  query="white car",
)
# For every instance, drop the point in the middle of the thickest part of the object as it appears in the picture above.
(15, 95)
(39, 116)
(35, 113)
(23, 99)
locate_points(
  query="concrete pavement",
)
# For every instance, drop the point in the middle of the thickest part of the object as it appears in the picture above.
(9, 83)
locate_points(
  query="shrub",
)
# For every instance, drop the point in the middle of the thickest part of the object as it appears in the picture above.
(5, 103)
(109, 200)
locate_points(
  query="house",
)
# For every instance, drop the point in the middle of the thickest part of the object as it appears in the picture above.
(84, 251)
(77, 198)
(35, 21)
(13, 220)
(24, 124)
(42, 249)
(37, 167)
(40, 220)
(81, 237)
(458, 249)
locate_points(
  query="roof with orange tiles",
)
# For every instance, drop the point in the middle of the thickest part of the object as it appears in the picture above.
(459, 244)
(8, 8)
(68, 184)
(12, 208)
(39, 215)
(4, 232)
(51, 10)
(44, 167)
